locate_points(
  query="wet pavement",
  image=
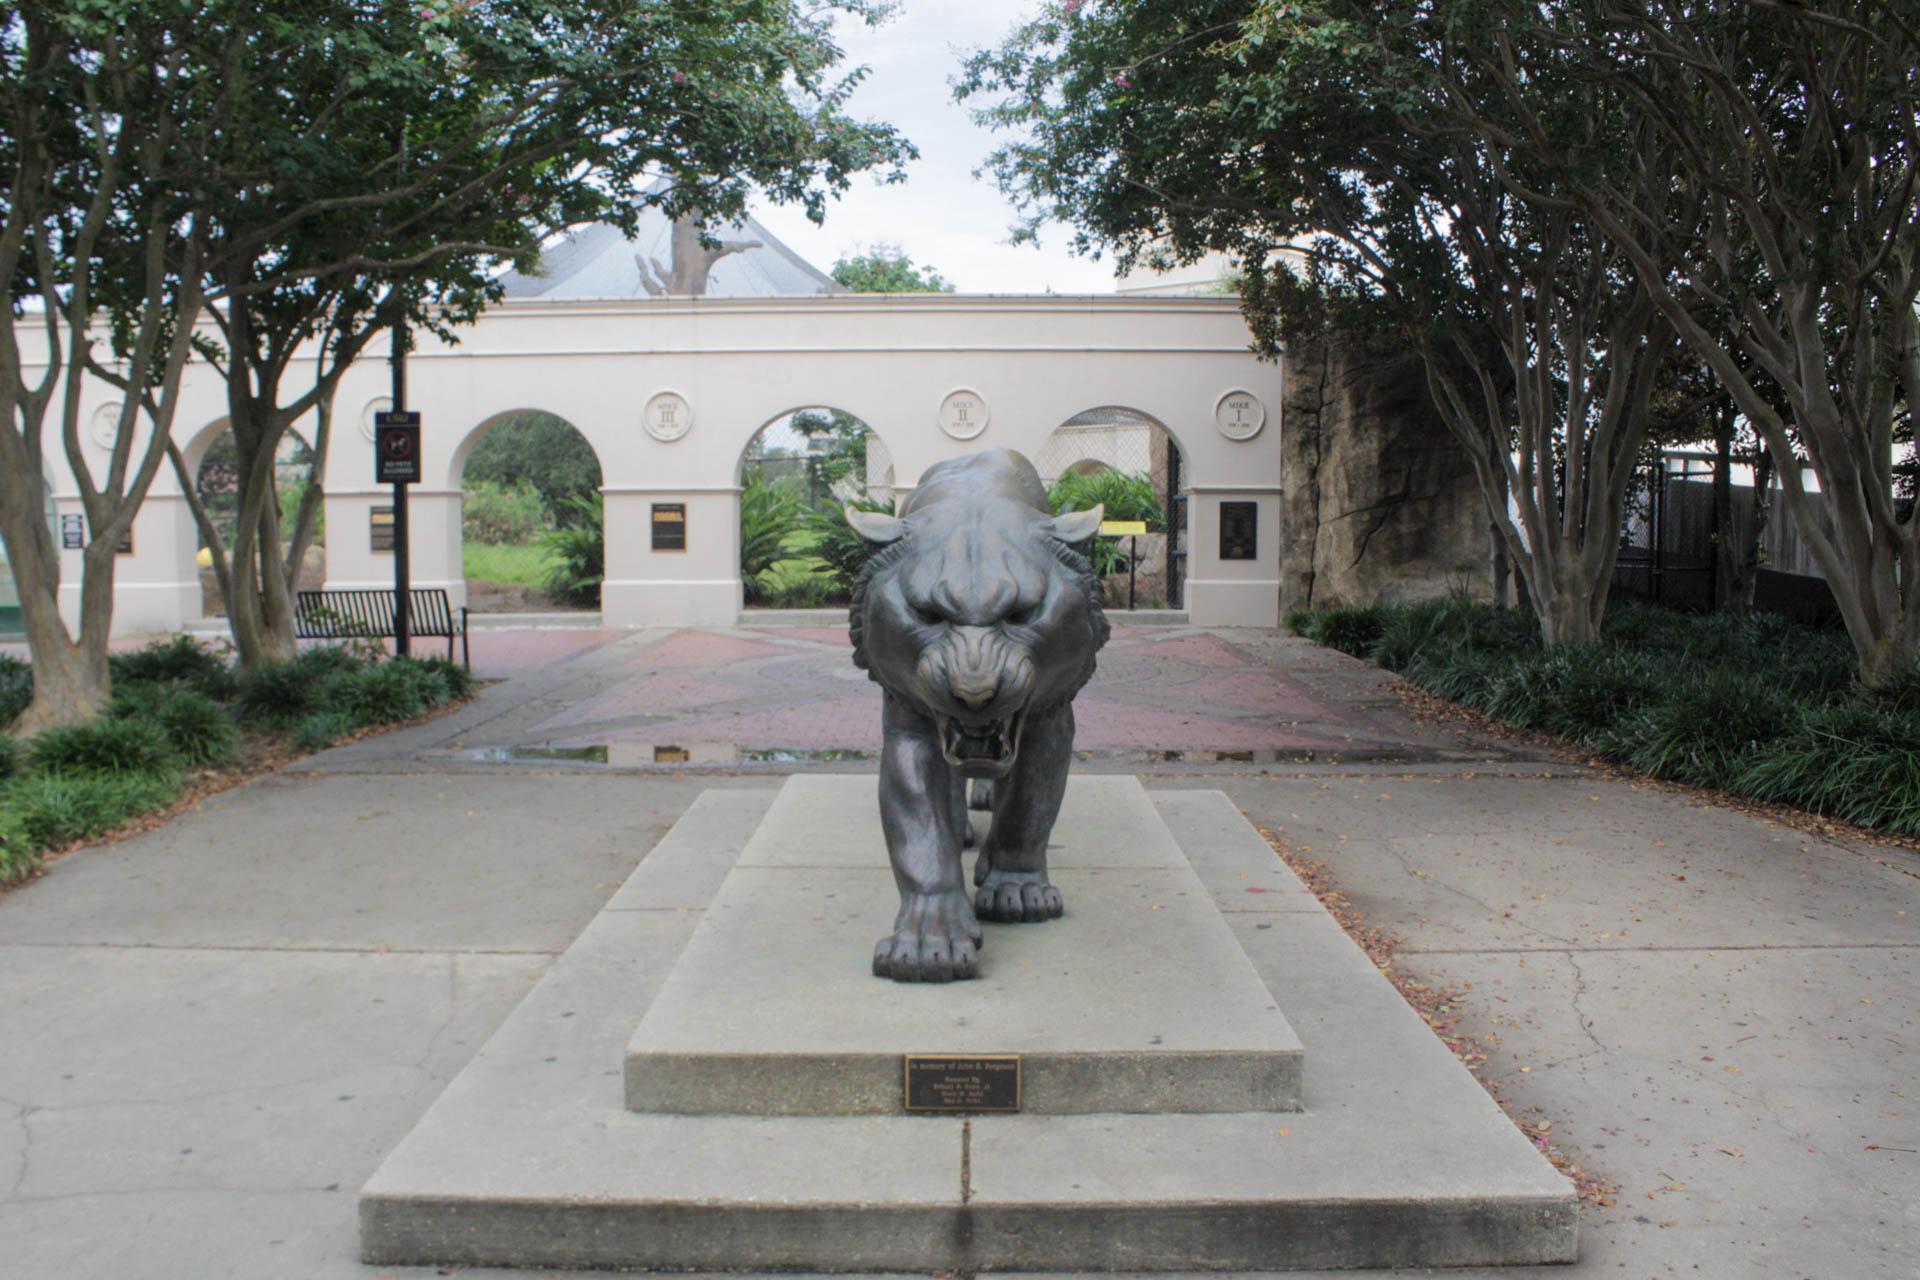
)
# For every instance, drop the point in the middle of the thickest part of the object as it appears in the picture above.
(774, 695)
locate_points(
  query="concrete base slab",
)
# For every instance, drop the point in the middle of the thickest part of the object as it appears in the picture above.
(1138, 1000)
(529, 1158)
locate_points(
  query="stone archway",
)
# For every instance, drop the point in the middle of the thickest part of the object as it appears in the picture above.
(796, 473)
(531, 533)
(211, 459)
(1133, 463)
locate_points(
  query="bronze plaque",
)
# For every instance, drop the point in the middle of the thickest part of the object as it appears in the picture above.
(1239, 530)
(955, 1082)
(669, 526)
(380, 529)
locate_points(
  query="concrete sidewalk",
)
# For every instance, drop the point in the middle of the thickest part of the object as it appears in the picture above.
(211, 1034)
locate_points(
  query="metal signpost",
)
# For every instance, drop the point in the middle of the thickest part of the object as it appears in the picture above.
(396, 447)
(1131, 530)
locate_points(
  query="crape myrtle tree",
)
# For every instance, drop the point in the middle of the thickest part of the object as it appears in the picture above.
(1332, 149)
(393, 155)
(274, 185)
(107, 112)
(1798, 126)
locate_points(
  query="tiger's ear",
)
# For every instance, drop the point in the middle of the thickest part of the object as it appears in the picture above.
(876, 527)
(1074, 527)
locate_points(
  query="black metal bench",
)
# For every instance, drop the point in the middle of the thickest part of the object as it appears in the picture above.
(351, 615)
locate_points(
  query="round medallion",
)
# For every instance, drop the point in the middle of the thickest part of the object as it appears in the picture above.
(963, 414)
(105, 427)
(376, 406)
(667, 416)
(1239, 415)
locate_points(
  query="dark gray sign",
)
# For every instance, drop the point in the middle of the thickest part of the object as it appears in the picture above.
(948, 1082)
(396, 447)
(1239, 531)
(73, 533)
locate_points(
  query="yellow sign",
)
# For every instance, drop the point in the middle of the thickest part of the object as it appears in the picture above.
(1122, 527)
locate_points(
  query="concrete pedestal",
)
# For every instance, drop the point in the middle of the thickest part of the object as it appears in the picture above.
(1398, 1159)
(1138, 1000)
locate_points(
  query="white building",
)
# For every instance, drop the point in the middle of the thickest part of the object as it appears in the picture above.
(670, 390)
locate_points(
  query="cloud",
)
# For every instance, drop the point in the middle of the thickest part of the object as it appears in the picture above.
(942, 215)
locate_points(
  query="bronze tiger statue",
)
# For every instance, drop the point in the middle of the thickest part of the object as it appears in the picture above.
(979, 620)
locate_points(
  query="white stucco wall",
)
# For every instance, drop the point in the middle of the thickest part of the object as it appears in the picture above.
(740, 363)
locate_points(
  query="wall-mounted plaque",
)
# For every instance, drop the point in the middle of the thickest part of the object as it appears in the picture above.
(669, 526)
(380, 529)
(1239, 531)
(951, 1082)
(1239, 415)
(963, 414)
(73, 536)
(667, 416)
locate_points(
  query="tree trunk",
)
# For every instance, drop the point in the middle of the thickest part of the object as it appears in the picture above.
(70, 683)
(1725, 552)
(1749, 551)
(1501, 565)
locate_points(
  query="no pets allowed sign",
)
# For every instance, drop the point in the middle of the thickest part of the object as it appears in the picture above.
(396, 448)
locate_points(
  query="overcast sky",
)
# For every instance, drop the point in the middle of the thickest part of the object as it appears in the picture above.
(941, 215)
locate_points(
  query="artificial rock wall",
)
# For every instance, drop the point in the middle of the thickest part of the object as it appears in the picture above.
(1379, 504)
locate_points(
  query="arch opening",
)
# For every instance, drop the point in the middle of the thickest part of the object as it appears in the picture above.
(1132, 463)
(532, 532)
(214, 460)
(796, 475)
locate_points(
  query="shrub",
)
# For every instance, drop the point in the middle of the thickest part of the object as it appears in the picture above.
(197, 728)
(16, 688)
(1854, 761)
(382, 694)
(108, 747)
(1353, 630)
(501, 514)
(1574, 693)
(769, 511)
(1703, 729)
(577, 553)
(54, 809)
(1901, 690)
(1298, 621)
(844, 552)
(180, 660)
(9, 757)
(277, 694)
(454, 678)
(1126, 495)
(321, 730)
(813, 591)
(1459, 675)
(19, 856)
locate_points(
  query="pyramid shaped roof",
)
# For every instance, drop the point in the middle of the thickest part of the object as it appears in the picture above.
(599, 261)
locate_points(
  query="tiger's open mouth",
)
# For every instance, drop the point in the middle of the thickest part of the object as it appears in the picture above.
(981, 750)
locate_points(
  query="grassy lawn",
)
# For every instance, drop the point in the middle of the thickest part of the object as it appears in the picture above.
(523, 564)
